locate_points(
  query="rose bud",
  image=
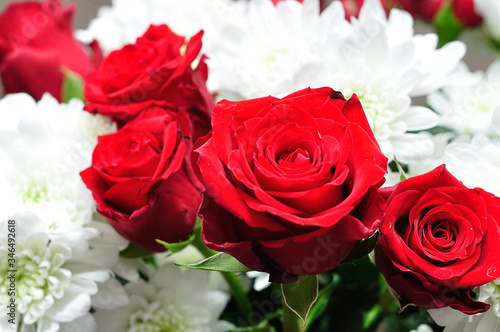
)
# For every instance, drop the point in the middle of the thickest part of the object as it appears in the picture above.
(156, 67)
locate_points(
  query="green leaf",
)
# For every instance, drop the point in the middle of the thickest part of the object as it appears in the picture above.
(176, 247)
(135, 251)
(72, 86)
(372, 316)
(446, 24)
(219, 262)
(321, 304)
(301, 295)
(263, 326)
(361, 249)
(402, 175)
(256, 328)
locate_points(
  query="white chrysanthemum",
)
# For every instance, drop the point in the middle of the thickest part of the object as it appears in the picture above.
(424, 165)
(173, 300)
(476, 164)
(455, 321)
(468, 110)
(490, 11)
(55, 277)
(280, 49)
(27, 128)
(44, 146)
(124, 21)
(261, 51)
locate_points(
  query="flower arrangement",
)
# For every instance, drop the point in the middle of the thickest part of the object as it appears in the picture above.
(250, 165)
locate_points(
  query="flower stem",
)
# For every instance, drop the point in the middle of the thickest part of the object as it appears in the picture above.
(291, 322)
(239, 294)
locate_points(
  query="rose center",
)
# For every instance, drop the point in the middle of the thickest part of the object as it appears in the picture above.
(443, 235)
(299, 157)
(134, 145)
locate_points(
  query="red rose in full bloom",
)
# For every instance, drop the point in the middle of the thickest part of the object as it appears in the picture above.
(439, 239)
(288, 180)
(156, 67)
(36, 40)
(142, 180)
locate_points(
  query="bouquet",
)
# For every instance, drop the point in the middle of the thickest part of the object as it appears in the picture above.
(250, 165)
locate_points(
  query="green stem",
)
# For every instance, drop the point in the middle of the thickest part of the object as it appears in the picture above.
(239, 294)
(291, 322)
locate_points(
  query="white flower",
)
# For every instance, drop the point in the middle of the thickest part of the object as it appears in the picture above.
(490, 11)
(261, 280)
(280, 49)
(423, 328)
(55, 276)
(468, 109)
(261, 51)
(44, 146)
(456, 321)
(476, 164)
(172, 300)
(124, 21)
(440, 142)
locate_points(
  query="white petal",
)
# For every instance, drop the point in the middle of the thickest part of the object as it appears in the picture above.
(420, 118)
(70, 307)
(86, 323)
(412, 148)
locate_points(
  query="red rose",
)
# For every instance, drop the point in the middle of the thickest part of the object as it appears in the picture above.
(466, 14)
(353, 7)
(36, 40)
(423, 9)
(463, 10)
(288, 181)
(157, 66)
(142, 180)
(438, 240)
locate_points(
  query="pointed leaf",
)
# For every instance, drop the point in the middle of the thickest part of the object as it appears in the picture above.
(362, 248)
(321, 304)
(301, 295)
(176, 247)
(219, 262)
(446, 24)
(402, 175)
(72, 86)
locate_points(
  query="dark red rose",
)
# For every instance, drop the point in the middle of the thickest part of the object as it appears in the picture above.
(353, 7)
(422, 9)
(438, 240)
(288, 180)
(156, 67)
(36, 41)
(463, 10)
(142, 180)
(466, 14)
